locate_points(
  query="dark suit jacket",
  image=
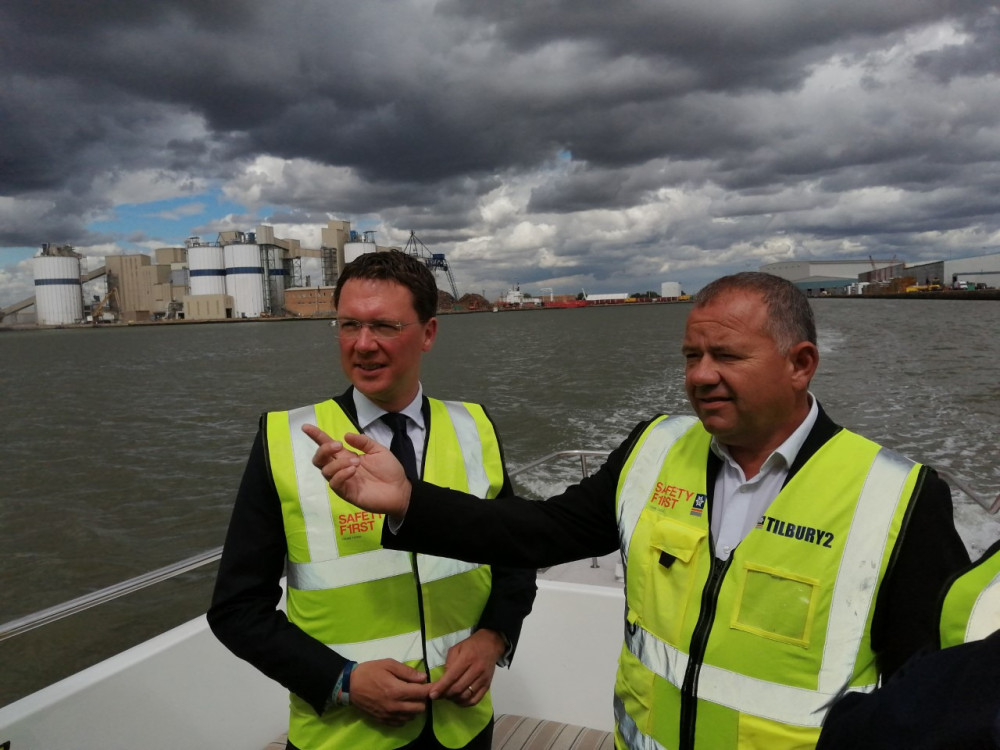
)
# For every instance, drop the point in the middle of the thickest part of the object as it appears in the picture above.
(938, 700)
(244, 614)
(581, 523)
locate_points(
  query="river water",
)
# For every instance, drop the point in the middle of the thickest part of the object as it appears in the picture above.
(122, 448)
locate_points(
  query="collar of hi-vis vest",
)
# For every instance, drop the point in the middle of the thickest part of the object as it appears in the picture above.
(881, 494)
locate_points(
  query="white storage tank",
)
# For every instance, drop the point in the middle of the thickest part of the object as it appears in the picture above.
(354, 250)
(670, 289)
(206, 270)
(245, 280)
(58, 290)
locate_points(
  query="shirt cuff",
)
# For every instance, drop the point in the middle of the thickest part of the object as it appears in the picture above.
(504, 660)
(395, 524)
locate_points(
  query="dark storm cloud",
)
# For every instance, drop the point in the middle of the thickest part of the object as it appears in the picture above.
(975, 56)
(591, 139)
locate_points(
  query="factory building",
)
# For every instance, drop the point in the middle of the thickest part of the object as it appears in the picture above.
(981, 271)
(239, 275)
(817, 277)
(825, 277)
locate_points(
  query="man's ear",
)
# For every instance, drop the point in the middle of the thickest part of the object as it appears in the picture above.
(804, 359)
(430, 333)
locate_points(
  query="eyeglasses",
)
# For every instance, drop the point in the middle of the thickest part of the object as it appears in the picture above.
(348, 328)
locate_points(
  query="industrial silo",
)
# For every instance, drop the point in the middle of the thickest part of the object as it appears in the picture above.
(206, 269)
(58, 290)
(355, 249)
(245, 280)
(670, 289)
(277, 275)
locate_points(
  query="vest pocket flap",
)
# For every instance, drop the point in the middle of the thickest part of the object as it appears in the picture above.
(677, 539)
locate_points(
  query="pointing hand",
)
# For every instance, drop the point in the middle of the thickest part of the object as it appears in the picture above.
(371, 478)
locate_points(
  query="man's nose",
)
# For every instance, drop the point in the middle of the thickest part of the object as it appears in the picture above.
(702, 371)
(366, 339)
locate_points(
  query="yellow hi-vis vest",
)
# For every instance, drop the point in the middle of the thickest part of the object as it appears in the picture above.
(749, 653)
(971, 608)
(366, 602)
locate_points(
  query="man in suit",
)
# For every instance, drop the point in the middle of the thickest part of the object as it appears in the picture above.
(371, 632)
(940, 699)
(774, 560)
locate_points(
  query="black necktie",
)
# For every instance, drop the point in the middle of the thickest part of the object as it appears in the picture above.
(401, 445)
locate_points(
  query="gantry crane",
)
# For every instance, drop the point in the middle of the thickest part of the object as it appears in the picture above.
(433, 261)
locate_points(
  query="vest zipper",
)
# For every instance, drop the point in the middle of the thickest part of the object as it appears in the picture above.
(423, 628)
(699, 643)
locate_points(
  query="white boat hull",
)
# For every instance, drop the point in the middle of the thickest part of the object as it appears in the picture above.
(184, 689)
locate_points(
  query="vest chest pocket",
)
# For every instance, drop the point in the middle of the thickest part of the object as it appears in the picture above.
(775, 604)
(672, 565)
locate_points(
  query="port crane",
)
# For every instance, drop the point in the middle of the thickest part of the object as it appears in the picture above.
(98, 309)
(434, 261)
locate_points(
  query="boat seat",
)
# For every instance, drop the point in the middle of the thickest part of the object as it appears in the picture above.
(512, 732)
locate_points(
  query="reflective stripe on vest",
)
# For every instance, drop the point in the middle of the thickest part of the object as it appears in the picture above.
(471, 446)
(881, 502)
(971, 608)
(406, 647)
(625, 726)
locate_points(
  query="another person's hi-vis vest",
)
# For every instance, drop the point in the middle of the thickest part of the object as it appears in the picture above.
(749, 653)
(971, 608)
(366, 602)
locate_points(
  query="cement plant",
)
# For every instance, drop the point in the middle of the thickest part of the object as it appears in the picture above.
(258, 276)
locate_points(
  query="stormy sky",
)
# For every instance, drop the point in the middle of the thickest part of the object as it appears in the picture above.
(573, 144)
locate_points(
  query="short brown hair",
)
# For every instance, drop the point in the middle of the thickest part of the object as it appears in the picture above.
(789, 316)
(402, 268)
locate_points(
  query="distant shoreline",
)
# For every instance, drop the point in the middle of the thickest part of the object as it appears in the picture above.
(971, 294)
(949, 294)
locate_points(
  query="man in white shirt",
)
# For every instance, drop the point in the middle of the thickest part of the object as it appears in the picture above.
(774, 559)
(380, 649)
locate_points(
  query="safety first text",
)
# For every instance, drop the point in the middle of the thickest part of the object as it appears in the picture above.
(356, 523)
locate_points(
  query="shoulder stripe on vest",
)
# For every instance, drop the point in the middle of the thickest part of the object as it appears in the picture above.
(471, 445)
(864, 548)
(313, 490)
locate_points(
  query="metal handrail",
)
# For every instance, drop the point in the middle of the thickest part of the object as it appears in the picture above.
(990, 506)
(107, 594)
(583, 454)
(584, 468)
(132, 585)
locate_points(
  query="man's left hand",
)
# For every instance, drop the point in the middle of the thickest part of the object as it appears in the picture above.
(468, 670)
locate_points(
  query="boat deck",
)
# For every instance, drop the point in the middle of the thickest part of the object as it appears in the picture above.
(512, 732)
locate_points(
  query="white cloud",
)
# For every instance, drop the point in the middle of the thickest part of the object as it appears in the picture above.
(146, 185)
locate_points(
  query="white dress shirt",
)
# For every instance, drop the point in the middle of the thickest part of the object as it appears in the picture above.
(740, 502)
(371, 424)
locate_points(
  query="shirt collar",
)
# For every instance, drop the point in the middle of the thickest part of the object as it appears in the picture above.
(789, 449)
(369, 412)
